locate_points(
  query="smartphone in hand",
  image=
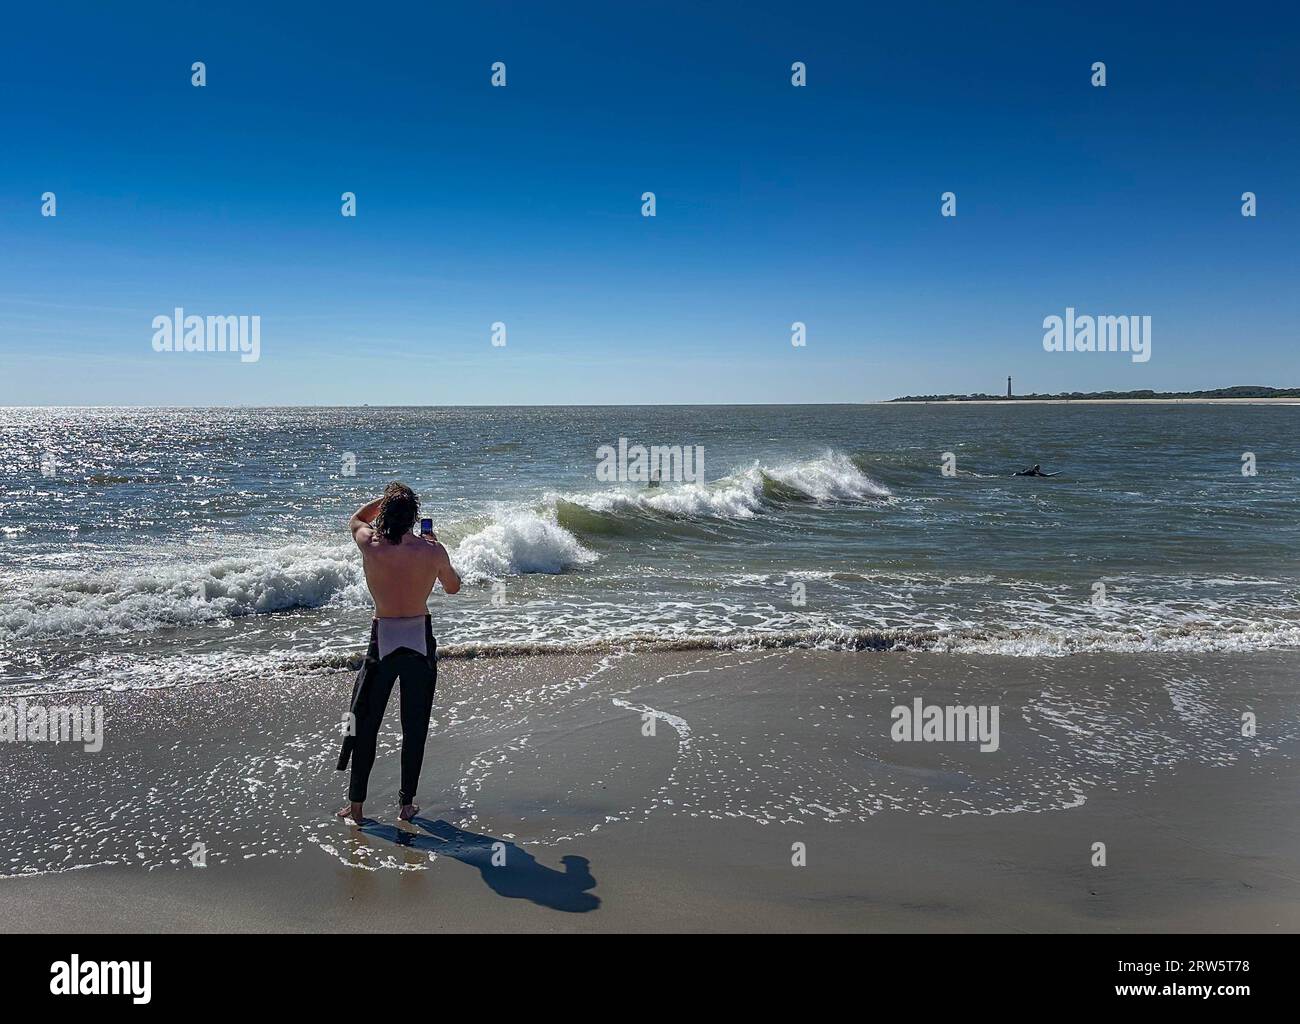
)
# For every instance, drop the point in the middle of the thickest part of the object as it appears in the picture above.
(426, 529)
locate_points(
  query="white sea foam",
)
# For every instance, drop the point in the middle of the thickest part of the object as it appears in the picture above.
(741, 495)
(183, 592)
(177, 593)
(1205, 638)
(518, 542)
(729, 499)
(831, 477)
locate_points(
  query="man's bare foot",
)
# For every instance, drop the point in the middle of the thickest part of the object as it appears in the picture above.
(352, 813)
(408, 812)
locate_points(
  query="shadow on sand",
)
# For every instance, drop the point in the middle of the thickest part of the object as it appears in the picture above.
(515, 874)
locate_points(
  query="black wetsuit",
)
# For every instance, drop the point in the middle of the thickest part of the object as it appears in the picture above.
(370, 693)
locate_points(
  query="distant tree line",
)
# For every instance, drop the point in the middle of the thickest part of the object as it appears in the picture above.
(1243, 391)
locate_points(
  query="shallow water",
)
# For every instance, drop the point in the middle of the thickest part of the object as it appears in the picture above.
(543, 751)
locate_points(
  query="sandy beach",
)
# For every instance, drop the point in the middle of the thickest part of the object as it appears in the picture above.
(544, 765)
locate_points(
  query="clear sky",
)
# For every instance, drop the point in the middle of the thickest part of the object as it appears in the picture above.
(522, 204)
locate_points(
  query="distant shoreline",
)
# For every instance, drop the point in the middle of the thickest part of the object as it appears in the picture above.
(1237, 394)
(377, 407)
(1092, 401)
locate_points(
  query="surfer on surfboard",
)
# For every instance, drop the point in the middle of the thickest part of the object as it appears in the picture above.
(1033, 470)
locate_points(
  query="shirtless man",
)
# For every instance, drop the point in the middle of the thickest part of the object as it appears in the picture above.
(401, 570)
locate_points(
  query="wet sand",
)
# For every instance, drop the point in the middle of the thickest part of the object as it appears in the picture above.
(637, 792)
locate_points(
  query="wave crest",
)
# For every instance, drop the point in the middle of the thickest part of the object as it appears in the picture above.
(831, 477)
(515, 543)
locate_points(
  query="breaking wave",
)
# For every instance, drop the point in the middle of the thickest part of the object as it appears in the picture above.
(832, 477)
(510, 539)
(172, 594)
(299, 576)
(518, 542)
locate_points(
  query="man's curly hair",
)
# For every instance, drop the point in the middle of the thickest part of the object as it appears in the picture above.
(397, 512)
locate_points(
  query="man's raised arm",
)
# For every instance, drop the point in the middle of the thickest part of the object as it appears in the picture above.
(362, 518)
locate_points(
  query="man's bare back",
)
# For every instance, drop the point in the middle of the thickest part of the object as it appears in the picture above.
(401, 575)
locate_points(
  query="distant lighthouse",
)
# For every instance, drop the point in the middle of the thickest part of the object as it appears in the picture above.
(1008, 387)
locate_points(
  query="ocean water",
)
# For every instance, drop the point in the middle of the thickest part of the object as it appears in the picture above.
(146, 547)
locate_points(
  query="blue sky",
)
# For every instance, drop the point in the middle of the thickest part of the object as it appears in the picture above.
(775, 204)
